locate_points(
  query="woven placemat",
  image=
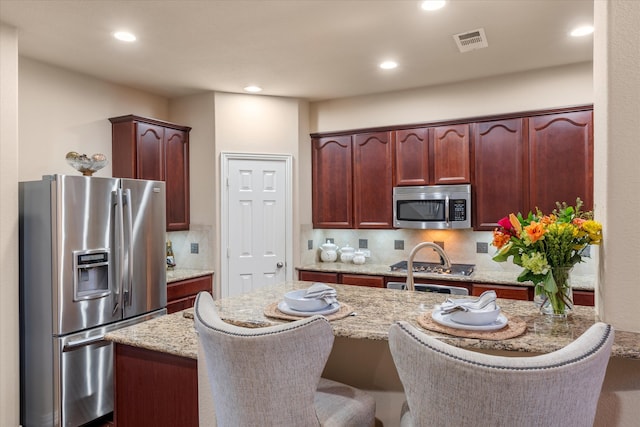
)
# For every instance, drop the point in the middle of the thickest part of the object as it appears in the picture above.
(515, 326)
(272, 311)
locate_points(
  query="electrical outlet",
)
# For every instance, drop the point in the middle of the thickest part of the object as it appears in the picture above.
(195, 248)
(441, 244)
(398, 244)
(309, 244)
(363, 243)
(367, 253)
(330, 240)
(482, 247)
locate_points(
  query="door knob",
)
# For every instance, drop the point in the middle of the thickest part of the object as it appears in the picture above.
(280, 265)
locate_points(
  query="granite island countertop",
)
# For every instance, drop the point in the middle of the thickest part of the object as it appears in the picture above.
(579, 282)
(376, 310)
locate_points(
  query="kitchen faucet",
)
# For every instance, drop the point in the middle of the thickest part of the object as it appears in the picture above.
(443, 257)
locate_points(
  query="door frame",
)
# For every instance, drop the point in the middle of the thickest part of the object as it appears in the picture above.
(225, 158)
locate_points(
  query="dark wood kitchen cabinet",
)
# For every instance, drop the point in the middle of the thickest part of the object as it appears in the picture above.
(501, 172)
(332, 170)
(436, 155)
(154, 389)
(373, 180)
(528, 163)
(144, 148)
(412, 157)
(182, 293)
(561, 159)
(352, 181)
(451, 153)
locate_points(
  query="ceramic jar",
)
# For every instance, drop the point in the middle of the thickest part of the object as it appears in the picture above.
(358, 257)
(328, 252)
(346, 253)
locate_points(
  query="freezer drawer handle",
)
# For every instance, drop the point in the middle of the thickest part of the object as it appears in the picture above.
(82, 342)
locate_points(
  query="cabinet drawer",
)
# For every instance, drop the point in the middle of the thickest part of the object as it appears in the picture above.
(318, 276)
(502, 291)
(180, 304)
(583, 298)
(362, 280)
(188, 287)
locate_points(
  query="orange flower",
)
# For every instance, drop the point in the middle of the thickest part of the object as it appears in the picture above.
(516, 224)
(578, 222)
(548, 219)
(535, 231)
(499, 238)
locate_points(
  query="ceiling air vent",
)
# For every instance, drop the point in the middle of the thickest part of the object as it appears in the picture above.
(471, 40)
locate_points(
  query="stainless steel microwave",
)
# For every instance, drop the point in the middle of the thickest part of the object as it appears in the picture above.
(438, 207)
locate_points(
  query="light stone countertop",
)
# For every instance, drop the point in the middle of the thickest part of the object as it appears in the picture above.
(376, 310)
(185, 273)
(580, 282)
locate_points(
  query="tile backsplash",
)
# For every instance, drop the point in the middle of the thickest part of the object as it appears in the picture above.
(182, 241)
(460, 245)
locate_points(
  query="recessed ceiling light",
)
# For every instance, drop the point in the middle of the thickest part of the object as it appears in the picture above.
(582, 31)
(388, 65)
(433, 4)
(124, 36)
(253, 89)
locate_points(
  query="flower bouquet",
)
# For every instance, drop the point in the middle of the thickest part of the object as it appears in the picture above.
(547, 247)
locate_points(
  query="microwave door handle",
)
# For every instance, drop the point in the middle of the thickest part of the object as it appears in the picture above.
(119, 242)
(129, 276)
(446, 211)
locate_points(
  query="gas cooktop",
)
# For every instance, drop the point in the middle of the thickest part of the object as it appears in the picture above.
(433, 267)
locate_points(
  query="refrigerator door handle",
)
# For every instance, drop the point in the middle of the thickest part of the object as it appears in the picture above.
(82, 342)
(128, 285)
(119, 238)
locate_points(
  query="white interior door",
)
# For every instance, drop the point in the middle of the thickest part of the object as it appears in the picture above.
(256, 222)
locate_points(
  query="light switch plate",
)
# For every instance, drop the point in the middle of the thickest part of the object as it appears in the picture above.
(482, 247)
(195, 248)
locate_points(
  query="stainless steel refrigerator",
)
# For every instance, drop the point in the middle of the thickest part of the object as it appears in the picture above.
(92, 259)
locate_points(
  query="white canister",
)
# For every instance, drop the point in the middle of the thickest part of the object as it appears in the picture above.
(346, 253)
(358, 257)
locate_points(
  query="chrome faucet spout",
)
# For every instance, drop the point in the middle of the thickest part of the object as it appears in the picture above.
(443, 256)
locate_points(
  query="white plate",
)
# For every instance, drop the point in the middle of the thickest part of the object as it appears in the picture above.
(284, 307)
(444, 319)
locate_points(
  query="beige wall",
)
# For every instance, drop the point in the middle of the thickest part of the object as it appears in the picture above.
(9, 365)
(263, 125)
(533, 90)
(62, 111)
(616, 177)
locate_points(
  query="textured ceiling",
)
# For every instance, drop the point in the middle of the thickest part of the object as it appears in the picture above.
(306, 48)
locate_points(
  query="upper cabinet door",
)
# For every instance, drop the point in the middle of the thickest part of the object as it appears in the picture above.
(372, 180)
(177, 178)
(150, 152)
(500, 171)
(332, 182)
(561, 159)
(451, 154)
(412, 157)
(144, 148)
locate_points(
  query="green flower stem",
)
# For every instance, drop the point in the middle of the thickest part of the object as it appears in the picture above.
(560, 299)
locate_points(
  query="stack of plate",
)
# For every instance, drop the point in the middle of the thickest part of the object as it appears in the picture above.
(478, 314)
(295, 303)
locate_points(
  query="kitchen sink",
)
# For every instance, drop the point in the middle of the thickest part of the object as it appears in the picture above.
(436, 268)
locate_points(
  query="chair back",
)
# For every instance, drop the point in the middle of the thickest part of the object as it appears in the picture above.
(263, 376)
(447, 385)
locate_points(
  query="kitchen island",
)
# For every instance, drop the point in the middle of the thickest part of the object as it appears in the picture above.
(361, 356)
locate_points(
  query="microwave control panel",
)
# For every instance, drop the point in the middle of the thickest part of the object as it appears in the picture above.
(458, 210)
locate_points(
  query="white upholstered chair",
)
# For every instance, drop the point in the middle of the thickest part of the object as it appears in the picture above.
(450, 386)
(271, 376)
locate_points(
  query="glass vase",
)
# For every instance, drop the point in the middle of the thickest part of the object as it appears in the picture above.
(560, 302)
